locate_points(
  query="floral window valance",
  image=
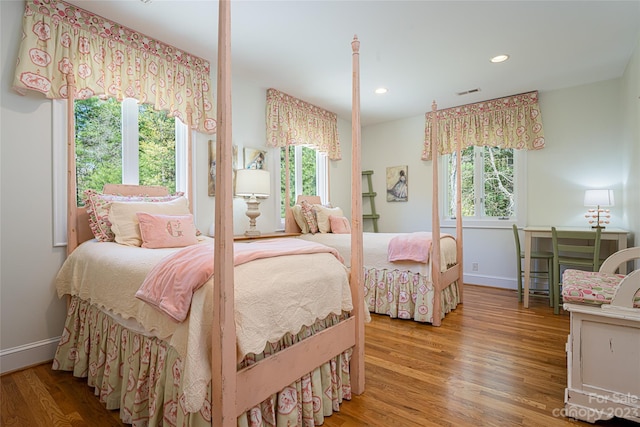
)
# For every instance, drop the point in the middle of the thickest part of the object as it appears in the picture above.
(291, 121)
(108, 59)
(511, 122)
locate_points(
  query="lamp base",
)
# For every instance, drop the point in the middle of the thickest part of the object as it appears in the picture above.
(601, 227)
(253, 212)
(252, 233)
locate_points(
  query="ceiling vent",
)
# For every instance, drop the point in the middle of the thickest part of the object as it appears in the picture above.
(467, 92)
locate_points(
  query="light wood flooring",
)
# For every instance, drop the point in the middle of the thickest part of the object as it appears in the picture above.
(491, 363)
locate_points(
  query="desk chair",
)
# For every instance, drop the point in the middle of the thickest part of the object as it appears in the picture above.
(537, 255)
(574, 249)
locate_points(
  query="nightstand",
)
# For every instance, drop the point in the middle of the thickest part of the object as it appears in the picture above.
(273, 235)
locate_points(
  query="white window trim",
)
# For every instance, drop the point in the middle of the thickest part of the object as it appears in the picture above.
(520, 217)
(59, 163)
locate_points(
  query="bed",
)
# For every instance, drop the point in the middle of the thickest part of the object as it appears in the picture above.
(401, 288)
(153, 367)
(603, 348)
(422, 291)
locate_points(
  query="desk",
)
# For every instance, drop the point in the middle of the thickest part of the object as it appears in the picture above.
(544, 232)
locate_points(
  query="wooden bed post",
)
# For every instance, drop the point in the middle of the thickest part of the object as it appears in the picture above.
(190, 197)
(435, 213)
(459, 212)
(72, 188)
(357, 261)
(223, 349)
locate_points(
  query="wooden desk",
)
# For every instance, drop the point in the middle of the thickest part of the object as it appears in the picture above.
(242, 237)
(544, 232)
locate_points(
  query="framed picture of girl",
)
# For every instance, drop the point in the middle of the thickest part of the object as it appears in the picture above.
(397, 184)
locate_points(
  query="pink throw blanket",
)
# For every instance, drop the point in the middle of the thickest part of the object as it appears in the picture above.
(170, 285)
(410, 247)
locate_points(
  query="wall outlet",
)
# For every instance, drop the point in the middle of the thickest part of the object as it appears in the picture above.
(474, 266)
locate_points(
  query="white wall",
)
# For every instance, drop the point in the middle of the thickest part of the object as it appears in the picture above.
(631, 137)
(31, 315)
(586, 147)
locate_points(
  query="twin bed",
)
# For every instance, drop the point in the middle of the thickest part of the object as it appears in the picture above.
(219, 366)
(397, 282)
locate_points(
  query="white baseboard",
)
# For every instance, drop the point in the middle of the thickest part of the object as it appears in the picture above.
(493, 281)
(31, 354)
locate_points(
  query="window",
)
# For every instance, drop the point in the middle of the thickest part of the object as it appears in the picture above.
(307, 174)
(124, 143)
(119, 143)
(491, 181)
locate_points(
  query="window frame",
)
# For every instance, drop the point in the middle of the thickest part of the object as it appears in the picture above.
(130, 151)
(478, 221)
(322, 178)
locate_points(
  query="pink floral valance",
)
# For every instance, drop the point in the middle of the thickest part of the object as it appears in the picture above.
(108, 59)
(291, 121)
(511, 122)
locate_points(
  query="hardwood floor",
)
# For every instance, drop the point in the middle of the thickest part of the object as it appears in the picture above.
(491, 363)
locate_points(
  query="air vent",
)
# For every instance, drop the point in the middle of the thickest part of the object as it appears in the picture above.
(467, 92)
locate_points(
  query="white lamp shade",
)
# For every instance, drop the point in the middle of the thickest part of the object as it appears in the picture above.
(598, 198)
(253, 182)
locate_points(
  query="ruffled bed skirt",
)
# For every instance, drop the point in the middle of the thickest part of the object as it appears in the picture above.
(140, 375)
(406, 295)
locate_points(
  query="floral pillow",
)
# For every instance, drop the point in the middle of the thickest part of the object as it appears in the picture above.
(98, 206)
(310, 216)
(166, 231)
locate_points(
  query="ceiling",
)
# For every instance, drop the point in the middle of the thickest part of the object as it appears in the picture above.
(420, 50)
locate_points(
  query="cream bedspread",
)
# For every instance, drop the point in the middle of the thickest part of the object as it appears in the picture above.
(273, 297)
(376, 246)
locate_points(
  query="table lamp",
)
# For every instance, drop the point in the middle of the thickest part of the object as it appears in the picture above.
(251, 184)
(598, 198)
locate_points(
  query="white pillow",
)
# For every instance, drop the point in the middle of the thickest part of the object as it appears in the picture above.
(299, 217)
(124, 221)
(322, 214)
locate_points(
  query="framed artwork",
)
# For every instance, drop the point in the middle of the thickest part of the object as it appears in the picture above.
(254, 158)
(397, 184)
(212, 167)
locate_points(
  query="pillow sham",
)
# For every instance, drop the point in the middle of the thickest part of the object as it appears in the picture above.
(98, 206)
(339, 225)
(300, 219)
(310, 216)
(322, 217)
(166, 231)
(124, 221)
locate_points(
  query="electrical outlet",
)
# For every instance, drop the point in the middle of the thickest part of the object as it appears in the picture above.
(474, 266)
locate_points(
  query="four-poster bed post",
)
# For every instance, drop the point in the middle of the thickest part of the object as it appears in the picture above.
(223, 348)
(440, 279)
(357, 258)
(233, 392)
(72, 203)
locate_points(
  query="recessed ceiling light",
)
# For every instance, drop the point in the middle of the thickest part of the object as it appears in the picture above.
(499, 58)
(381, 90)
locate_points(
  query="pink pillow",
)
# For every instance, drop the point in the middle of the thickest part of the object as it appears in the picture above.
(166, 231)
(339, 225)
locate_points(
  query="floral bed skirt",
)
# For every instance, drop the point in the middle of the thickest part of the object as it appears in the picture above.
(140, 375)
(406, 295)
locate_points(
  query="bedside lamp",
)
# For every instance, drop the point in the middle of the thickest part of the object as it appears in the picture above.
(253, 183)
(599, 199)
